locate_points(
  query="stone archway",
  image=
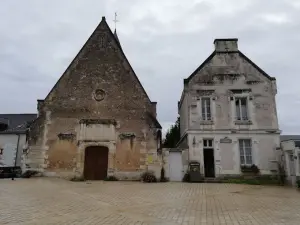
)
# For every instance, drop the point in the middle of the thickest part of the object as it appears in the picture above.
(95, 162)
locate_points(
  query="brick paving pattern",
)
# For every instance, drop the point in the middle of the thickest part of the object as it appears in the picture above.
(55, 201)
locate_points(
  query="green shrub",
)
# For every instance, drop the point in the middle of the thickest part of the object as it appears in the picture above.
(258, 180)
(149, 177)
(250, 169)
(111, 178)
(298, 184)
(77, 179)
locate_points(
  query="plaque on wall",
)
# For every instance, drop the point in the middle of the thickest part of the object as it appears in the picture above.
(226, 140)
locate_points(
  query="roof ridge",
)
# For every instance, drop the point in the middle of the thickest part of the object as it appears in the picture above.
(84, 46)
(241, 55)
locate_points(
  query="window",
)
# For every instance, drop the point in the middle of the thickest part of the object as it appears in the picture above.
(245, 152)
(205, 109)
(299, 163)
(208, 143)
(241, 108)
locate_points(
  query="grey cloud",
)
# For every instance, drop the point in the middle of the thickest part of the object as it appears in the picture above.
(164, 40)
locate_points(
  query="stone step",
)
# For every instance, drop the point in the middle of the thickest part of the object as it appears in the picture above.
(35, 155)
(34, 165)
(34, 150)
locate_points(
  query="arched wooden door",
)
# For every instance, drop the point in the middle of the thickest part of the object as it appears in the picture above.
(95, 163)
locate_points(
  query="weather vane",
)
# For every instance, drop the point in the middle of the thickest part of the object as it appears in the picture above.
(115, 20)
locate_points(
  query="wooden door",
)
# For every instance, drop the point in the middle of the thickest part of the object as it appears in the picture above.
(95, 163)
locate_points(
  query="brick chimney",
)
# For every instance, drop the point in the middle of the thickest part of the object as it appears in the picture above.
(226, 45)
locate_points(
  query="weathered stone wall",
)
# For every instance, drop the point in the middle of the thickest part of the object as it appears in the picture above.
(184, 118)
(99, 84)
(225, 75)
(227, 155)
(227, 72)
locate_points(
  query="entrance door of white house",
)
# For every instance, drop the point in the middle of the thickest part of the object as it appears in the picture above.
(175, 166)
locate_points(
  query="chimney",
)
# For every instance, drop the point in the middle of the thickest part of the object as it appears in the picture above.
(226, 45)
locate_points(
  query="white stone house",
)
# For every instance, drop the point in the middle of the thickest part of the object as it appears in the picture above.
(290, 146)
(13, 137)
(228, 114)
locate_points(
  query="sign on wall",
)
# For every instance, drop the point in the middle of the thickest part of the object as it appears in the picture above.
(150, 159)
(226, 140)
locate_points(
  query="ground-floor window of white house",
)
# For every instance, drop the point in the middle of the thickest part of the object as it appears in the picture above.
(299, 163)
(245, 151)
(205, 107)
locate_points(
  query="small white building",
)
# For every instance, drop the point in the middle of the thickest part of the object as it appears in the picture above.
(228, 115)
(13, 137)
(290, 145)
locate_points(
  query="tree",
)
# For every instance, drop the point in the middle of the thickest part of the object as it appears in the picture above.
(173, 135)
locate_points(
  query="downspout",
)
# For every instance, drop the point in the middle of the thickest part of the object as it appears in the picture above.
(16, 158)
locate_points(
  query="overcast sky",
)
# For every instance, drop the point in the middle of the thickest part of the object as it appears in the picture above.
(164, 40)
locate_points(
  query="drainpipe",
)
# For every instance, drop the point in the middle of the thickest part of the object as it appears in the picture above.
(16, 158)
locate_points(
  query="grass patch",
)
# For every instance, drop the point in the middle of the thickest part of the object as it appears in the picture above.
(254, 181)
(77, 179)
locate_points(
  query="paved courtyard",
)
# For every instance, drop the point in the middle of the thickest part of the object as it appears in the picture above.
(54, 201)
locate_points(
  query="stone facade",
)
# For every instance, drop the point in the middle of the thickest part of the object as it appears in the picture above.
(291, 158)
(229, 99)
(98, 101)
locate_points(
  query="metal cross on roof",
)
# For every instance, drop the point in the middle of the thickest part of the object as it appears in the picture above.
(115, 20)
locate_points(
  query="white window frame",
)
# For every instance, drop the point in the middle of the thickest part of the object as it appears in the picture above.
(243, 150)
(207, 141)
(241, 118)
(206, 118)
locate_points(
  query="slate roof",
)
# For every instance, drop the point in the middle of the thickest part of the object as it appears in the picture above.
(289, 137)
(17, 123)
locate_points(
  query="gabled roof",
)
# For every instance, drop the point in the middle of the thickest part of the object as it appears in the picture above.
(240, 54)
(16, 123)
(115, 37)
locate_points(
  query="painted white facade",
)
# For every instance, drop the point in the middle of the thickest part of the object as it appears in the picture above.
(8, 144)
(291, 156)
(223, 78)
(175, 166)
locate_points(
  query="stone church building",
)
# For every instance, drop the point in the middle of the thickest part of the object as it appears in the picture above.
(97, 120)
(228, 116)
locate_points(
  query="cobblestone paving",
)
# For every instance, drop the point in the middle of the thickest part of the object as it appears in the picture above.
(54, 201)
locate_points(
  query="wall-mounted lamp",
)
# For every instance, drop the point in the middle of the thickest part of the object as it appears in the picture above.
(194, 141)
